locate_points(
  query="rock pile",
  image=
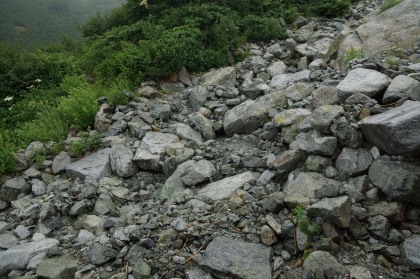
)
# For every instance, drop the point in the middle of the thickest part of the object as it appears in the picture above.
(285, 166)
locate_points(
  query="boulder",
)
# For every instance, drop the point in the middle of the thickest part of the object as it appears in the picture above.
(323, 265)
(396, 27)
(401, 87)
(318, 49)
(183, 131)
(60, 162)
(198, 96)
(57, 268)
(224, 188)
(365, 81)
(96, 165)
(277, 68)
(203, 124)
(398, 180)
(410, 250)
(338, 210)
(353, 161)
(228, 257)
(395, 131)
(315, 144)
(122, 162)
(152, 150)
(283, 80)
(224, 77)
(11, 189)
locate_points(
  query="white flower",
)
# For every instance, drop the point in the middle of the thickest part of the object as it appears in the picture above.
(8, 99)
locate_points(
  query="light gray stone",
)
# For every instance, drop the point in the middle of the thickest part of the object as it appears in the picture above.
(152, 150)
(277, 68)
(224, 76)
(283, 80)
(288, 160)
(225, 256)
(365, 81)
(396, 130)
(325, 95)
(122, 161)
(13, 187)
(197, 273)
(323, 265)
(38, 187)
(317, 49)
(104, 205)
(183, 131)
(311, 185)
(8, 240)
(224, 188)
(198, 96)
(57, 268)
(338, 210)
(353, 161)
(401, 87)
(60, 162)
(323, 116)
(96, 166)
(203, 124)
(410, 250)
(315, 144)
(195, 172)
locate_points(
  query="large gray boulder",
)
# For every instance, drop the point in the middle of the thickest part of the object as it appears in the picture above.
(338, 210)
(323, 265)
(122, 161)
(395, 131)
(13, 187)
(57, 268)
(184, 131)
(60, 162)
(198, 96)
(289, 121)
(228, 257)
(396, 27)
(224, 76)
(398, 180)
(281, 81)
(152, 150)
(318, 49)
(203, 124)
(96, 165)
(353, 161)
(401, 87)
(312, 185)
(277, 68)
(323, 116)
(224, 188)
(365, 81)
(18, 257)
(410, 250)
(250, 115)
(315, 144)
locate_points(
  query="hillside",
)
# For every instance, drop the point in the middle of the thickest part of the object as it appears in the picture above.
(32, 23)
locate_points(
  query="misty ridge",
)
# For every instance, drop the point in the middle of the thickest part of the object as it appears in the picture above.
(32, 23)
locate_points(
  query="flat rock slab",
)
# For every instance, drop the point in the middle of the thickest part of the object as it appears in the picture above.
(18, 257)
(224, 76)
(57, 268)
(337, 209)
(228, 257)
(224, 188)
(312, 185)
(96, 165)
(395, 131)
(364, 81)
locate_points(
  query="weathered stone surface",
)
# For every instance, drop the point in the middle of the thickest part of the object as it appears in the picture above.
(360, 80)
(325, 95)
(289, 121)
(315, 144)
(60, 162)
(100, 254)
(203, 124)
(392, 210)
(152, 150)
(289, 160)
(122, 162)
(396, 130)
(353, 161)
(18, 257)
(398, 180)
(8, 240)
(379, 227)
(277, 68)
(224, 188)
(283, 80)
(142, 270)
(323, 116)
(346, 134)
(102, 121)
(57, 268)
(338, 210)
(401, 87)
(104, 205)
(96, 166)
(396, 27)
(197, 273)
(198, 96)
(183, 131)
(225, 256)
(13, 187)
(323, 265)
(311, 185)
(410, 250)
(224, 76)
(318, 49)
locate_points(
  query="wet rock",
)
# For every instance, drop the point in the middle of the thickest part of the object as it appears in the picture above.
(13, 187)
(398, 180)
(122, 162)
(323, 265)
(152, 150)
(353, 161)
(224, 76)
(338, 210)
(367, 82)
(95, 166)
(60, 162)
(57, 268)
(410, 250)
(225, 256)
(396, 130)
(401, 87)
(224, 188)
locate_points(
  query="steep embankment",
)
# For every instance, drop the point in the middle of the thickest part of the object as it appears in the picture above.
(284, 166)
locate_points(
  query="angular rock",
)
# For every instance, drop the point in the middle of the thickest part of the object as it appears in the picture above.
(197, 273)
(268, 236)
(224, 77)
(323, 116)
(277, 68)
(18, 257)
(392, 211)
(195, 172)
(323, 265)
(13, 187)
(318, 49)
(198, 96)
(396, 130)
(142, 270)
(325, 95)
(410, 250)
(360, 80)
(338, 210)
(122, 162)
(57, 268)
(398, 180)
(102, 119)
(379, 227)
(152, 150)
(117, 128)
(104, 205)
(60, 162)
(283, 80)
(289, 160)
(346, 134)
(289, 121)
(203, 124)
(401, 87)
(313, 143)
(353, 161)
(101, 253)
(225, 256)
(183, 131)
(8, 240)
(311, 185)
(224, 188)
(96, 165)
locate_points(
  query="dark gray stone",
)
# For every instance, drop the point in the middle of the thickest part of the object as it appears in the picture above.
(226, 256)
(410, 250)
(57, 268)
(11, 189)
(101, 253)
(346, 134)
(395, 131)
(322, 264)
(315, 144)
(401, 87)
(353, 161)
(338, 210)
(379, 226)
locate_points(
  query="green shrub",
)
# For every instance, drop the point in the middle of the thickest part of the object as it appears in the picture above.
(351, 54)
(88, 142)
(303, 222)
(7, 152)
(262, 28)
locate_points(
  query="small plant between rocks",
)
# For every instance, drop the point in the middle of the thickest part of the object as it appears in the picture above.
(303, 222)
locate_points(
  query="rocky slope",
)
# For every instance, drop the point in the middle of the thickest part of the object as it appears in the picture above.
(284, 166)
